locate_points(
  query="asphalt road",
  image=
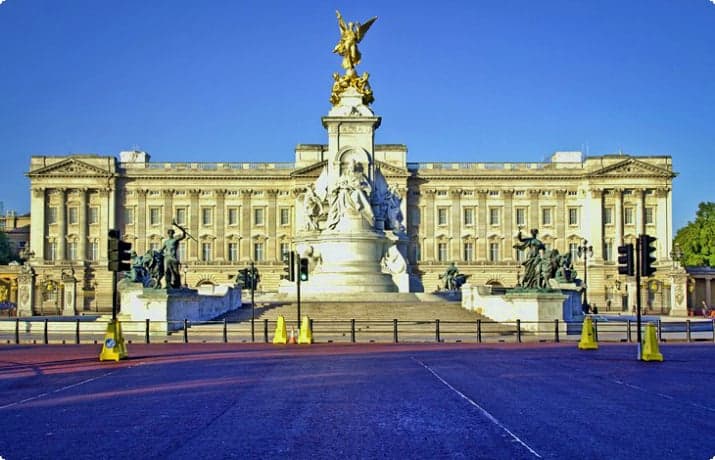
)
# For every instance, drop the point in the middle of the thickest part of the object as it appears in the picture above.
(506, 401)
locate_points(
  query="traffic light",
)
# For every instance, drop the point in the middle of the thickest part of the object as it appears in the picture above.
(647, 254)
(626, 264)
(289, 266)
(119, 253)
(244, 278)
(303, 269)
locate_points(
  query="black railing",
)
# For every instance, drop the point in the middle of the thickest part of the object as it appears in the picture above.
(75, 331)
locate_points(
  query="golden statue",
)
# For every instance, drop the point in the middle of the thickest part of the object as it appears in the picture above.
(350, 35)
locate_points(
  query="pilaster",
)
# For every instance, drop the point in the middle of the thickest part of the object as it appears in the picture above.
(455, 230)
(61, 223)
(220, 225)
(481, 248)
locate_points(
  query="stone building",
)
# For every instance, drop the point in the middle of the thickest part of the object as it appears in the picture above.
(467, 212)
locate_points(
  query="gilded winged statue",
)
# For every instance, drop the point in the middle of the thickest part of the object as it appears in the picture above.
(350, 35)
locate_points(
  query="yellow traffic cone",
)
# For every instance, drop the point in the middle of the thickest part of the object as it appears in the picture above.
(306, 334)
(280, 336)
(113, 347)
(650, 346)
(588, 340)
(292, 336)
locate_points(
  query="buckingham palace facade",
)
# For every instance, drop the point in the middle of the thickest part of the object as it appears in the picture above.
(237, 213)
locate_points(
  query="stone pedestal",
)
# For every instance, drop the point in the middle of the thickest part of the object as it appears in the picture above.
(25, 292)
(679, 294)
(69, 306)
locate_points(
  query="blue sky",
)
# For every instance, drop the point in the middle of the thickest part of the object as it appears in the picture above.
(473, 80)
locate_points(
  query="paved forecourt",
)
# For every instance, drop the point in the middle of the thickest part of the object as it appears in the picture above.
(356, 401)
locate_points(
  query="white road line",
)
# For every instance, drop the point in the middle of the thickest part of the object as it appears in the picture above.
(480, 408)
(57, 390)
(662, 395)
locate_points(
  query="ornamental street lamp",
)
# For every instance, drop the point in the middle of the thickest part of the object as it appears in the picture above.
(585, 251)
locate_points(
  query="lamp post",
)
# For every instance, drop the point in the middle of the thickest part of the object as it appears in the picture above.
(585, 251)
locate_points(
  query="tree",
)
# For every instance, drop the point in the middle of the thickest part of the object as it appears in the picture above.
(697, 239)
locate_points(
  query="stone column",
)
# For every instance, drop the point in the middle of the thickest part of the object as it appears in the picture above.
(245, 249)
(533, 209)
(639, 211)
(37, 222)
(456, 227)
(82, 243)
(105, 224)
(168, 205)
(192, 247)
(508, 224)
(220, 225)
(271, 253)
(481, 249)
(618, 215)
(140, 218)
(429, 248)
(61, 224)
(663, 218)
(595, 209)
(560, 221)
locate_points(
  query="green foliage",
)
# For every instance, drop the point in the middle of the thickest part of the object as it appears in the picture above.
(697, 239)
(6, 255)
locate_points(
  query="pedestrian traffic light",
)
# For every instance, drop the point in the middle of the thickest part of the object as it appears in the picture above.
(626, 264)
(303, 269)
(119, 253)
(289, 266)
(647, 254)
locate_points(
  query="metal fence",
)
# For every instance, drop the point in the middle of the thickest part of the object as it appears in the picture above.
(59, 330)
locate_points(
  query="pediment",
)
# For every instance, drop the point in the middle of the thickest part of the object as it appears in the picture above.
(632, 168)
(390, 170)
(71, 167)
(313, 170)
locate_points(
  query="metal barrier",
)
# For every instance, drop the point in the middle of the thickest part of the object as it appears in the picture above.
(71, 330)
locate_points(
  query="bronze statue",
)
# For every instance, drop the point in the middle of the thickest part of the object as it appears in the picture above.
(533, 246)
(170, 250)
(350, 35)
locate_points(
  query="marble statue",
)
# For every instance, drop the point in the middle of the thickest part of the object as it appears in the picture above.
(350, 194)
(313, 208)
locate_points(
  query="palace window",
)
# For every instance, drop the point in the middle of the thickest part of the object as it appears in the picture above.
(441, 192)
(51, 251)
(73, 215)
(628, 216)
(93, 215)
(284, 217)
(520, 255)
(519, 193)
(649, 215)
(154, 216)
(573, 216)
(494, 252)
(608, 216)
(285, 250)
(181, 216)
(494, 216)
(181, 251)
(71, 250)
(468, 252)
(468, 216)
(573, 250)
(442, 216)
(206, 252)
(607, 251)
(52, 215)
(493, 193)
(232, 216)
(442, 252)
(233, 252)
(546, 216)
(520, 217)
(258, 252)
(129, 216)
(93, 251)
(258, 217)
(206, 216)
(418, 252)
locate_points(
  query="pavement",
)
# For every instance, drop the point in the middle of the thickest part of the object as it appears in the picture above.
(477, 401)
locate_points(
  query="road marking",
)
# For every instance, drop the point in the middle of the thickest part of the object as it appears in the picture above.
(662, 395)
(480, 408)
(57, 390)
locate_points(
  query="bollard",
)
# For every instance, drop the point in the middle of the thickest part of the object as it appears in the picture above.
(518, 331)
(17, 331)
(595, 329)
(436, 331)
(394, 330)
(556, 330)
(146, 331)
(352, 330)
(46, 338)
(629, 334)
(225, 332)
(659, 331)
(186, 330)
(713, 325)
(76, 332)
(479, 331)
(265, 330)
(688, 337)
